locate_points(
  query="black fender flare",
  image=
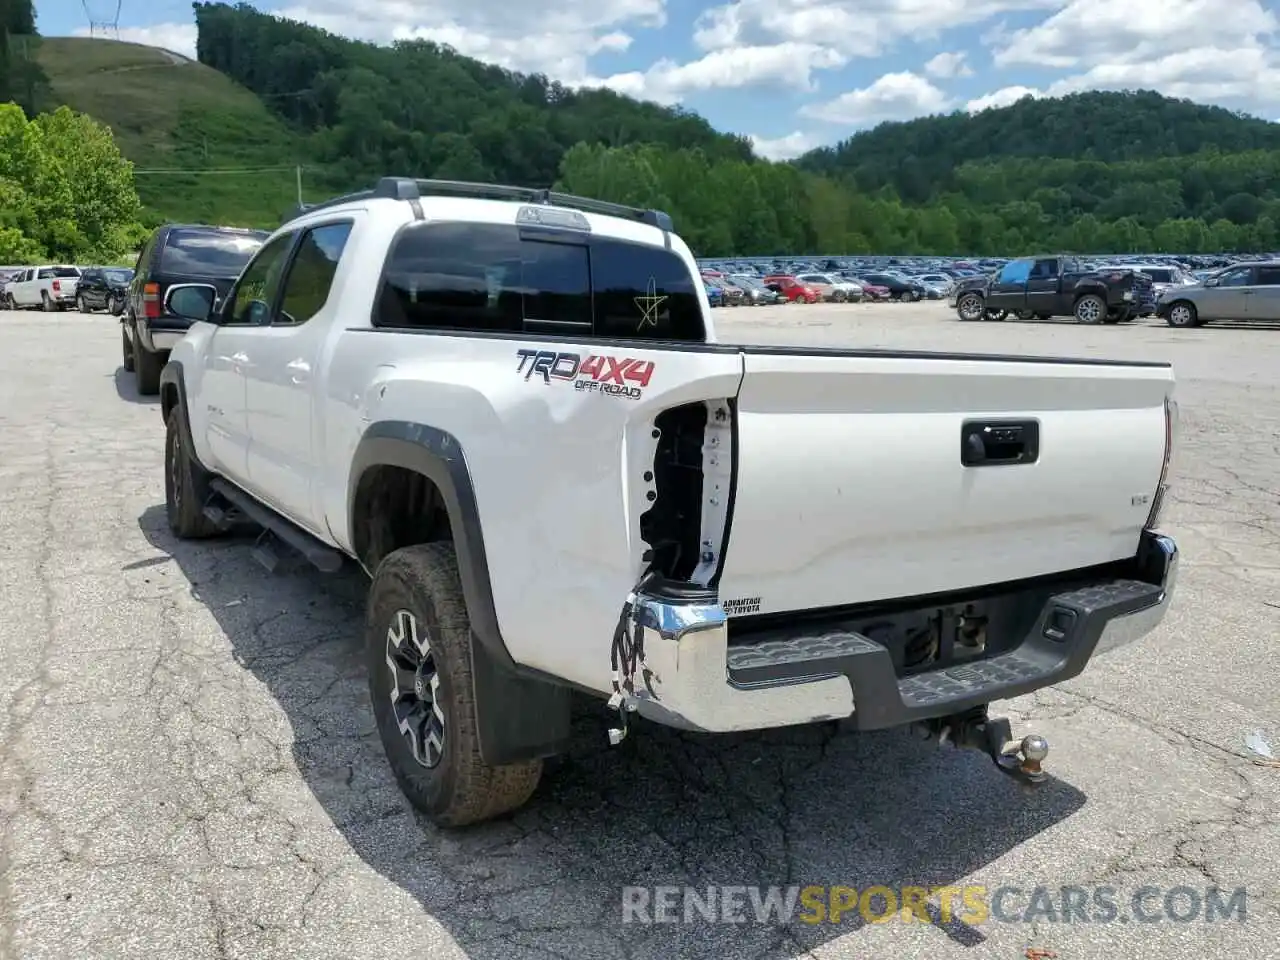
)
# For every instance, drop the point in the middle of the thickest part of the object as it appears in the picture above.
(1090, 286)
(173, 401)
(521, 714)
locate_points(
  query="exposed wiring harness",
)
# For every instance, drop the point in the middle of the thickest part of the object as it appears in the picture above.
(626, 657)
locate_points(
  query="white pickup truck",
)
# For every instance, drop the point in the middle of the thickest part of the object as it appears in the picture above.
(510, 409)
(50, 287)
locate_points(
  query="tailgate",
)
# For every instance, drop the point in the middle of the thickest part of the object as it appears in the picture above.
(850, 485)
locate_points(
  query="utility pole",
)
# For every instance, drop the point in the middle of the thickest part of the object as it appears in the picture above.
(298, 174)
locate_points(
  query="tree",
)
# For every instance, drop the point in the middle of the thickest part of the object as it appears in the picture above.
(65, 191)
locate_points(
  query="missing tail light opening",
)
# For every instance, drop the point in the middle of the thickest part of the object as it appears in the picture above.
(686, 526)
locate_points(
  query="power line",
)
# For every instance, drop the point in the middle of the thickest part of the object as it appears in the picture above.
(215, 171)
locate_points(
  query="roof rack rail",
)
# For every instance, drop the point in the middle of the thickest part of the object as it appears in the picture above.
(409, 188)
(406, 188)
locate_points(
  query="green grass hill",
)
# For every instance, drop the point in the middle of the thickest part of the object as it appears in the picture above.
(168, 112)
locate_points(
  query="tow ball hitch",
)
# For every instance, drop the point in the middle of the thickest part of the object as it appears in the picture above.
(1021, 759)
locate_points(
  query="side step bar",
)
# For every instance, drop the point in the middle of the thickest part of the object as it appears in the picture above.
(320, 555)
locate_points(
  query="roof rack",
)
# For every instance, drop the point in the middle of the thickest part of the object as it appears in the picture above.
(408, 188)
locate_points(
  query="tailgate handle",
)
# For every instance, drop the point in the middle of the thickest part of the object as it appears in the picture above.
(985, 443)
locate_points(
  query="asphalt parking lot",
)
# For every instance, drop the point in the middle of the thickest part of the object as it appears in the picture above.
(188, 767)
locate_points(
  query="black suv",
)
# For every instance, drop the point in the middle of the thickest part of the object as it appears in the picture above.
(103, 288)
(176, 253)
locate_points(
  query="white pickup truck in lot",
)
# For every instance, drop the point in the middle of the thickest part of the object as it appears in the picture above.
(510, 409)
(50, 287)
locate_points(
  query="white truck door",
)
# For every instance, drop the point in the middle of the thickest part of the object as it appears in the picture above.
(233, 354)
(280, 385)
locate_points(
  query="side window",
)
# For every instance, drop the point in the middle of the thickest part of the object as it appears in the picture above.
(1016, 272)
(643, 291)
(252, 298)
(1239, 277)
(1269, 276)
(306, 288)
(1044, 270)
(45, 274)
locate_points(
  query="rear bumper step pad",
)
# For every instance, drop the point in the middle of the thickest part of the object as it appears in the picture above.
(1071, 626)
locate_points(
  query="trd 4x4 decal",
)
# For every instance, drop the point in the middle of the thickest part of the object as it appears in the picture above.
(596, 373)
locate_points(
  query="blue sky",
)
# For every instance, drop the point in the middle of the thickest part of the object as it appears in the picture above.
(794, 74)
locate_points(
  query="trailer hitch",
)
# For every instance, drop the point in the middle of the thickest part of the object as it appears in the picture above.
(974, 730)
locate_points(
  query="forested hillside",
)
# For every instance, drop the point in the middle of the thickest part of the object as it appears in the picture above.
(418, 107)
(919, 158)
(1099, 172)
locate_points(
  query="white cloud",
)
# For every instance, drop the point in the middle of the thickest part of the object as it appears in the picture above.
(779, 65)
(557, 39)
(1003, 97)
(945, 65)
(895, 96)
(784, 148)
(179, 38)
(1088, 33)
(856, 27)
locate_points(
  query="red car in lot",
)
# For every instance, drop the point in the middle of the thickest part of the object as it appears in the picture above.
(792, 289)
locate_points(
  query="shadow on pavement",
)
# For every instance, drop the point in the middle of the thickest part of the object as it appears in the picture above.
(791, 807)
(127, 388)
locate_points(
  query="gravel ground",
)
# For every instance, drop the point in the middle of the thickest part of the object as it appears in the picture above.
(188, 768)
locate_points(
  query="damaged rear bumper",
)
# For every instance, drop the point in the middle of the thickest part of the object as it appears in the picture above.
(697, 681)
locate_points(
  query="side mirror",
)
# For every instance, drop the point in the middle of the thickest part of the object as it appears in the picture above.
(1211, 282)
(191, 301)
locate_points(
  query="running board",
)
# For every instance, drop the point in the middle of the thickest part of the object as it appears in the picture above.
(323, 557)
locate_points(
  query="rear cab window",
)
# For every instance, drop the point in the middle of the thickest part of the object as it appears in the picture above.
(195, 252)
(489, 278)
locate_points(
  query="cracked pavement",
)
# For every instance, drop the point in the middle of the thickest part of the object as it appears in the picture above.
(188, 766)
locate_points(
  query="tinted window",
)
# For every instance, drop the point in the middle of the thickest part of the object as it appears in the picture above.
(190, 252)
(252, 298)
(485, 277)
(1160, 276)
(311, 274)
(644, 291)
(119, 276)
(1045, 269)
(1269, 276)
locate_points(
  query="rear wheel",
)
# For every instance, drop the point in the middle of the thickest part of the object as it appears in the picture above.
(417, 650)
(46, 303)
(146, 369)
(126, 351)
(971, 306)
(81, 306)
(1090, 308)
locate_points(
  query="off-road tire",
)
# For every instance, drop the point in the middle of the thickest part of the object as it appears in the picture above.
(461, 788)
(146, 369)
(183, 503)
(1186, 313)
(126, 351)
(976, 313)
(1092, 307)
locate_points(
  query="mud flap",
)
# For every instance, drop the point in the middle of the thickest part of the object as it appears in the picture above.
(518, 717)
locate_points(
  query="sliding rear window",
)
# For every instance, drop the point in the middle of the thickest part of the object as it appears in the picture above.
(487, 278)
